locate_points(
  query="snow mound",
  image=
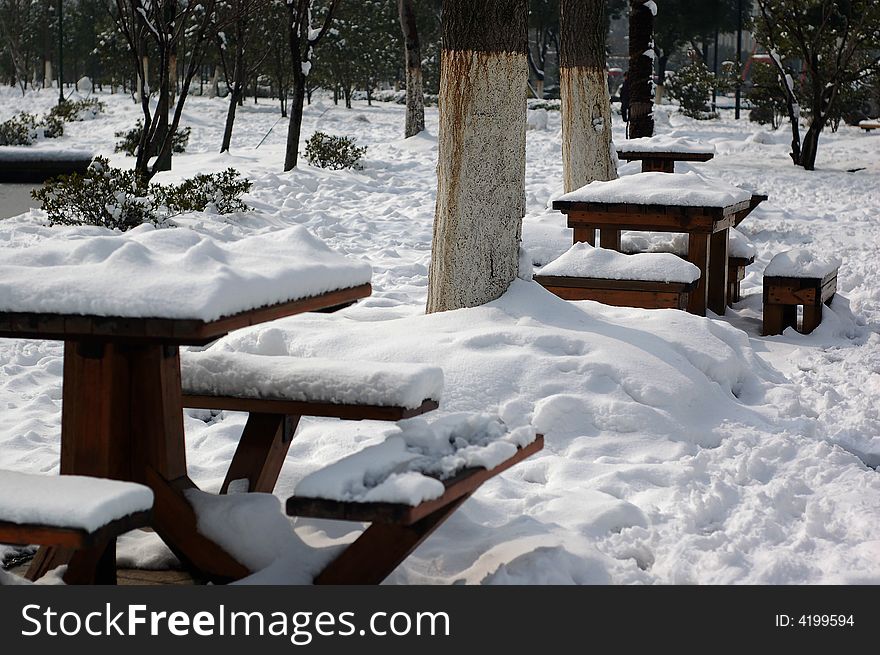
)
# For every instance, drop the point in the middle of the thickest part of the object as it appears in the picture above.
(800, 263)
(686, 189)
(583, 260)
(167, 273)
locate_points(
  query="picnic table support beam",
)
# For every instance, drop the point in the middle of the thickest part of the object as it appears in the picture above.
(261, 451)
(718, 269)
(381, 548)
(585, 235)
(609, 238)
(698, 254)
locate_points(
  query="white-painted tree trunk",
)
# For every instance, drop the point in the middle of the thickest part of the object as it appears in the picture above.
(586, 127)
(415, 104)
(47, 74)
(480, 178)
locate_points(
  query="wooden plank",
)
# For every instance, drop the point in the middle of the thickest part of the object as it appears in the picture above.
(584, 235)
(718, 262)
(698, 254)
(634, 155)
(625, 285)
(466, 482)
(609, 238)
(789, 295)
(25, 534)
(625, 298)
(689, 222)
(303, 408)
(178, 331)
(829, 288)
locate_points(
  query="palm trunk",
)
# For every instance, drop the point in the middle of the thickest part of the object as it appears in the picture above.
(586, 106)
(481, 162)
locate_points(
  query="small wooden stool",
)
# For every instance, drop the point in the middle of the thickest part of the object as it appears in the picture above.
(782, 295)
(736, 272)
(620, 293)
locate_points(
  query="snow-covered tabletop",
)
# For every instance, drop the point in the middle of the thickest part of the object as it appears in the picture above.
(655, 188)
(663, 144)
(408, 467)
(172, 273)
(800, 263)
(388, 384)
(583, 260)
(69, 501)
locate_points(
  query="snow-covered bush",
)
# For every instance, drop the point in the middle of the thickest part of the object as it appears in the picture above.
(335, 152)
(20, 130)
(120, 199)
(80, 110)
(691, 86)
(132, 138)
(52, 126)
(219, 193)
(104, 196)
(766, 96)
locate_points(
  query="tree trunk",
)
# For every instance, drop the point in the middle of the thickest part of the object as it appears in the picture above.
(294, 126)
(583, 86)
(641, 68)
(235, 96)
(662, 61)
(482, 145)
(811, 144)
(415, 101)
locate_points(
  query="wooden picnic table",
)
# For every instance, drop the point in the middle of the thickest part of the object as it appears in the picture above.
(123, 304)
(707, 226)
(662, 161)
(122, 414)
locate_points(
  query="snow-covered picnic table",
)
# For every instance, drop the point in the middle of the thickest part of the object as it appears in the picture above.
(689, 203)
(122, 304)
(659, 153)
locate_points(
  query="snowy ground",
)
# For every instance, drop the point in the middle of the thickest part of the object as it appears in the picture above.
(678, 449)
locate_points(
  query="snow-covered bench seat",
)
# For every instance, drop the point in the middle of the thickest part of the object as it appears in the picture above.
(740, 253)
(75, 513)
(277, 391)
(869, 125)
(646, 280)
(797, 277)
(406, 487)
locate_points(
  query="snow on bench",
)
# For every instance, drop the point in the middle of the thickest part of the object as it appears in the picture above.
(664, 143)
(797, 278)
(309, 379)
(682, 189)
(646, 280)
(407, 486)
(79, 513)
(170, 273)
(869, 125)
(277, 391)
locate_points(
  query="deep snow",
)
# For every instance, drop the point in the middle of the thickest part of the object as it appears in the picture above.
(678, 449)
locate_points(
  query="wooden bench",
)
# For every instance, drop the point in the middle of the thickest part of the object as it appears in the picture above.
(785, 288)
(754, 201)
(396, 529)
(869, 125)
(287, 391)
(613, 278)
(81, 515)
(736, 273)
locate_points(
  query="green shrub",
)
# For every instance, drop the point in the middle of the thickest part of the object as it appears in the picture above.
(20, 130)
(334, 152)
(80, 110)
(132, 138)
(766, 96)
(692, 86)
(120, 199)
(218, 193)
(104, 196)
(52, 126)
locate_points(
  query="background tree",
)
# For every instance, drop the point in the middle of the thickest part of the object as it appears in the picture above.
(415, 97)
(583, 84)
(242, 49)
(641, 68)
(543, 39)
(16, 28)
(481, 160)
(833, 42)
(302, 39)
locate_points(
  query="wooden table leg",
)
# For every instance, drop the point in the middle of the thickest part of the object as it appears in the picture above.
(718, 253)
(658, 165)
(585, 235)
(609, 238)
(122, 418)
(698, 254)
(261, 451)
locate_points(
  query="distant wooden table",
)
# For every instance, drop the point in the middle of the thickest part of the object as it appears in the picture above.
(706, 227)
(661, 161)
(122, 415)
